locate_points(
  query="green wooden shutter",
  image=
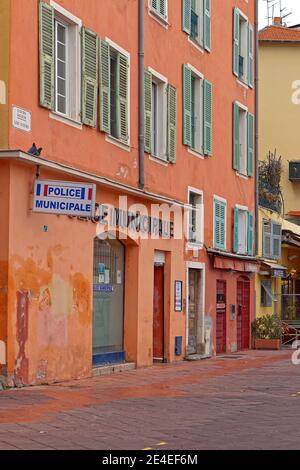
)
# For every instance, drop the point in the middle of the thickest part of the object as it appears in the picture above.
(46, 36)
(207, 25)
(250, 237)
(236, 137)
(250, 132)
(186, 16)
(187, 105)
(220, 224)
(250, 55)
(148, 111)
(89, 60)
(236, 41)
(276, 231)
(172, 104)
(163, 8)
(235, 230)
(104, 78)
(123, 69)
(207, 114)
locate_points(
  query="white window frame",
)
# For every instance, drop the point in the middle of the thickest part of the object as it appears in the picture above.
(162, 82)
(244, 19)
(74, 25)
(200, 150)
(245, 210)
(221, 199)
(199, 243)
(244, 110)
(157, 16)
(109, 138)
(199, 42)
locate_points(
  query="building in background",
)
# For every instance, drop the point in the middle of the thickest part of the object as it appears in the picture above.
(71, 300)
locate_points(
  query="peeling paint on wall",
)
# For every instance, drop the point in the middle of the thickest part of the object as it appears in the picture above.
(21, 366)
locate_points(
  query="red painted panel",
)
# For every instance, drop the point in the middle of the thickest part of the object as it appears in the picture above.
(158, 313)
(243, 315)
(221, 318)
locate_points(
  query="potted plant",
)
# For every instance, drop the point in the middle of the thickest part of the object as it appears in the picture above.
(267, 332)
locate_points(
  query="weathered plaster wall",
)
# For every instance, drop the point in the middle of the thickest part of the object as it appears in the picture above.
(4, 70)
(4, 233)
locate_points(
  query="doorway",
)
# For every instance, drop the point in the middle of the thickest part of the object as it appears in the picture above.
(194, 311)
(108, 302)
(243, 313)
(221, 318)
(158, 313)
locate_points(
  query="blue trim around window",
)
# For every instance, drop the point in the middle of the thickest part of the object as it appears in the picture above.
(108, 358)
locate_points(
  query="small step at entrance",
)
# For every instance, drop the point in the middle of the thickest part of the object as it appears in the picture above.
(113, 369)
(231, 356)
(197, 357)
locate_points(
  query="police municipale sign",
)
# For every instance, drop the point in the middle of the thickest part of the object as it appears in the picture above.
(64, 198)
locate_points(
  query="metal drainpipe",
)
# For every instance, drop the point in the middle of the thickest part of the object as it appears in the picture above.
(256, 128)
(141, 95)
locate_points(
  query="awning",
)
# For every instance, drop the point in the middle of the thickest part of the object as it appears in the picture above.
(235, 265)
(277, 270)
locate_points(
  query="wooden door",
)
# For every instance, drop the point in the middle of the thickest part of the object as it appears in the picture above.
(221, 318)
(243, 314)
(158, 313)
(194, 299)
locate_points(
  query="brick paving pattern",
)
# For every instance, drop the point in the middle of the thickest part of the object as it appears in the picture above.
(252, 402)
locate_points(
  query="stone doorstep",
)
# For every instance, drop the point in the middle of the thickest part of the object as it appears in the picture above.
(10, 381)
(197, 357)
(113, 369)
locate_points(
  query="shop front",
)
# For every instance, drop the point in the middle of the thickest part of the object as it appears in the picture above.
(78, 293)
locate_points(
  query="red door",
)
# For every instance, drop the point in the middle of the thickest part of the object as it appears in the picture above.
(158, 313)
(221, 318)
(243, 314)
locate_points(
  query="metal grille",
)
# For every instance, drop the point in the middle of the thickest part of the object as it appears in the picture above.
(104, 253)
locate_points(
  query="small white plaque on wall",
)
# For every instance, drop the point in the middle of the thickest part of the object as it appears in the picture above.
(21, 119)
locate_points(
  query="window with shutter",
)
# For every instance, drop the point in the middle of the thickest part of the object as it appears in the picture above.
(47, 55)
(266, 239)
(243, 48)
(243, 231)
(159, 7)
(197, 111)
(219, 224)
(89, 77)
(172, 124)
(243, 140)
(114, 91)
(195, 217)
(60, 68)
(196, 21)
(276, 240)
(207, 118)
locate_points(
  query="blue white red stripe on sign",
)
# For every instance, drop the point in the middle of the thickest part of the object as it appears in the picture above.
(64, 197)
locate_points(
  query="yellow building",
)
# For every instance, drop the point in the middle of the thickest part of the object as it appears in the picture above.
(278, 280)
(279, 107)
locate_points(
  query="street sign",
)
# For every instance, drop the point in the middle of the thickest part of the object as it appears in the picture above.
(64, 198)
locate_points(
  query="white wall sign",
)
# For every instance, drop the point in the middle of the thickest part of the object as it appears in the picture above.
(64, 198)
(21, 119)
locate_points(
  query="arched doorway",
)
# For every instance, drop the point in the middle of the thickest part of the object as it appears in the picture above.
(243, 313)
(108, 301)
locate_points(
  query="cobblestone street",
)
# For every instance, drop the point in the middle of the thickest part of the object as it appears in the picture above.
(250, 402)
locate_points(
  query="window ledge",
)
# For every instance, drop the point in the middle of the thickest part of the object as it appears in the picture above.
(240, 175)
(65, 120)
(196, 45)
(118, 143)
(162, 21)
(195, 245)
(159, 160)
(196, 154)
(242, 83)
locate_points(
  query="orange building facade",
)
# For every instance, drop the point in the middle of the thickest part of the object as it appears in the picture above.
(81, 292)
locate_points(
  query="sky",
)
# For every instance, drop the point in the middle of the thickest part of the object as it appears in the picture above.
(291, 6)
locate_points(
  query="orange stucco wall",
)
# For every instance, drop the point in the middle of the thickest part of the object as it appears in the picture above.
(50, 273)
